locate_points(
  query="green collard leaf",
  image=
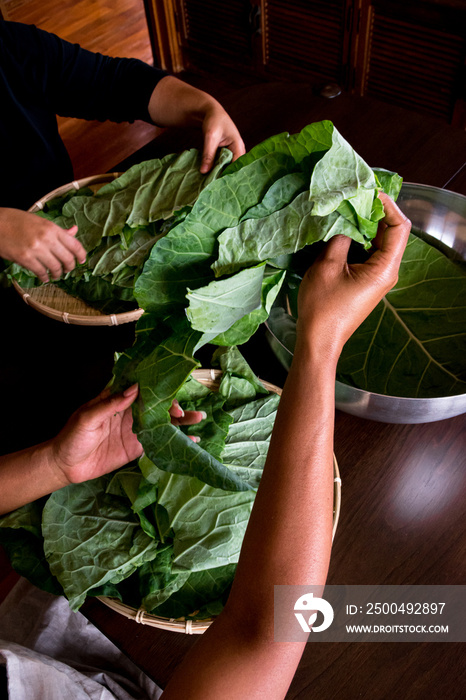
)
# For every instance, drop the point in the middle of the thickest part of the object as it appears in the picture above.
(28, 518)
(202, 595)
(92, 538)
(246, 326)
(342, 174)
(248, 439)
(113, 257)
(160, 376)
(279, 194)
(26, 555)
(216, 307)
(285, 231)
(315, 139)
(191, 391)
(147, 192)
(233, 364)
(414, 342)
(20, 536)
(389, 181)
(213, 429)
(157, 581)
(150, 332)
(208, 523)
(182, 259)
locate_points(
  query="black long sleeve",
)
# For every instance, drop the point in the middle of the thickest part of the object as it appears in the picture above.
(41, 76)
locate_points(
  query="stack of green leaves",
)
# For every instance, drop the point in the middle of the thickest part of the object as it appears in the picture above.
(165, 541)
(174, 522)
(120, 222)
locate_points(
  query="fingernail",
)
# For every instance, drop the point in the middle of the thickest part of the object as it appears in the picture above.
(177, 405)
(203, 414)
(195, 438)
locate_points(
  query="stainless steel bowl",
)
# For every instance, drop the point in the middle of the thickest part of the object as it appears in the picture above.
(441, 214)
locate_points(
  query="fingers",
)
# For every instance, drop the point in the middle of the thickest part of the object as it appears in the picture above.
(104, 406)
(220, 131)
(192, 417)
(337, 249)
(211, 142)
(237, 148)
(175, 410)
(74, 246)
(393, 233)
(180, 417)
(52, 251)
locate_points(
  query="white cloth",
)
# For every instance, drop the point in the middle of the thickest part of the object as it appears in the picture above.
(52, 653)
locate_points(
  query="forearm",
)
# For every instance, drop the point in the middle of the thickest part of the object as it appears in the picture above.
(287, 542)
(27, 475)
(175, 103)
(292, 516)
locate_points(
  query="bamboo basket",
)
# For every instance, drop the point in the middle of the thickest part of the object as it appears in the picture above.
(52, 301)
(211, 378)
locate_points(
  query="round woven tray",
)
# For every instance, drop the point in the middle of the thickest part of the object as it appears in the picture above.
(211, 378)
(52, 301)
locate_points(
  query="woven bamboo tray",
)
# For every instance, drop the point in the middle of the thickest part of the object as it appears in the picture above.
(52, 301)
(211, 378)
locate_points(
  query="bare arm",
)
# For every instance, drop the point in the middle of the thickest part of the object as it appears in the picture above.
(97, 439)
(175, 103)
(288, 539)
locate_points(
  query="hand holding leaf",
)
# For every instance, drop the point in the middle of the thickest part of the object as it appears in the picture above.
(335, 297)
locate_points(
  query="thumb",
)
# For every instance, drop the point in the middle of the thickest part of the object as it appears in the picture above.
(104, 406)
(73, 230)
(337, 249)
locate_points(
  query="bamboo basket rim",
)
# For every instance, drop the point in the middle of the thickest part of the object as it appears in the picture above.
(211, 378)
(50, 300)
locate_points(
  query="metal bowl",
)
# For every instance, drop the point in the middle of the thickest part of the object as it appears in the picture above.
(441, 214)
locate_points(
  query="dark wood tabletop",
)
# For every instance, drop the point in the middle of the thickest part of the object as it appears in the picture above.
(403, 486)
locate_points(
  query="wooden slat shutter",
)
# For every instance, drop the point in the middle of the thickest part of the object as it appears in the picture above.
(415, 66)
(306, 38)
(217, 30)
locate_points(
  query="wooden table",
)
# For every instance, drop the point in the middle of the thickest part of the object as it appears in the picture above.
(403, 493)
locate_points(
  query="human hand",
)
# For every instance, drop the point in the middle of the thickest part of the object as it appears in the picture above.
(335, 297)
(98, 437)
(219, 132)
(180, 417)
(176, 103)
(39, 245)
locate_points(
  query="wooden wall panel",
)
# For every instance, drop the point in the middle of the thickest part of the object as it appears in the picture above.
(307, 38)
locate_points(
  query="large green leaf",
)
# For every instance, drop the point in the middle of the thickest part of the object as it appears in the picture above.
(160, 375)
(183, 257)
(248, 439)
(285, 231)
(414, 342)
(217, 306)
(202, 595)
(91, 538)
(342, 174)
(147, 192)
(20, 536)
(245, 327)
(315, 139)
(208, 523)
